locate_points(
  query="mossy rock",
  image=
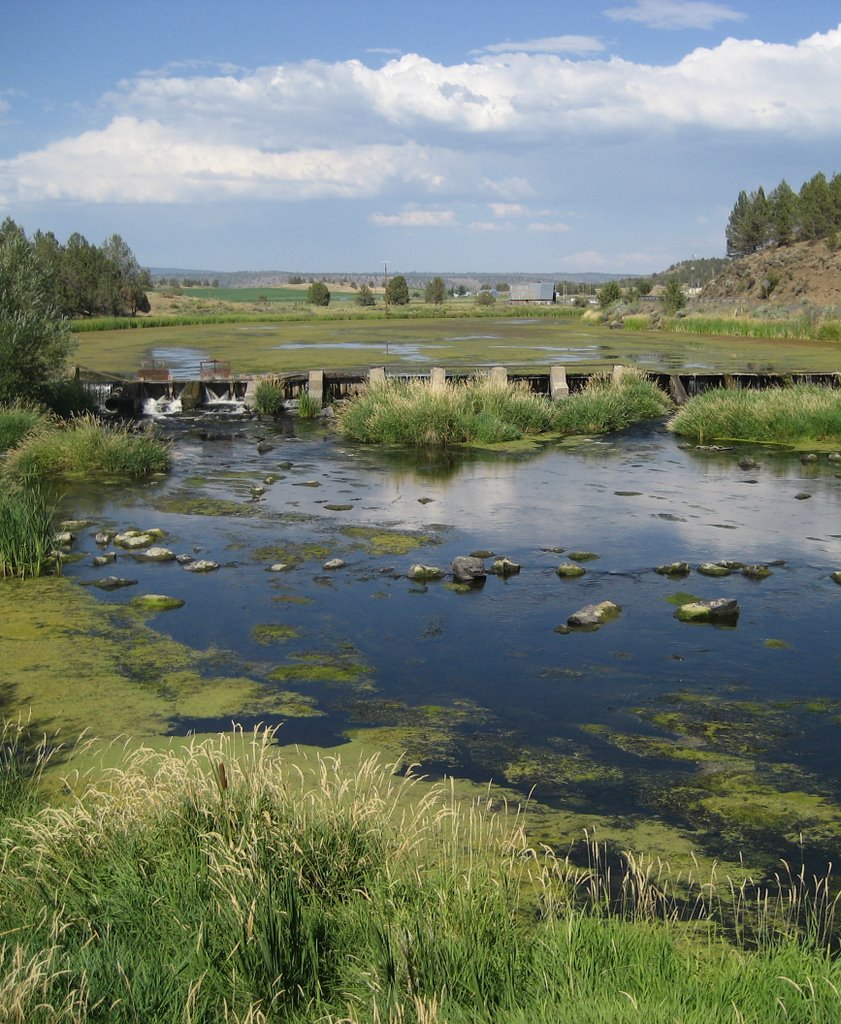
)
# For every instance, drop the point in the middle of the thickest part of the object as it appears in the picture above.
(713, 569)
(582, 556)
(157, 602)
(674, 569)
(756, 572)
(568, 570)
(836, 578)
(723, 611)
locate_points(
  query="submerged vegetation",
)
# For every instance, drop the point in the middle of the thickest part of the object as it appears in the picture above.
(798, 413)
(486, 412)
(221, 883)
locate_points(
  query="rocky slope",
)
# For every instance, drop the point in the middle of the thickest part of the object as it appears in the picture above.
(791, 275)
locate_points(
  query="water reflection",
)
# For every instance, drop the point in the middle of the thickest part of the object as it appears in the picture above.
(517, 700)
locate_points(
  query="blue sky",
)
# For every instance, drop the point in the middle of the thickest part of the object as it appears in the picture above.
(534, 136)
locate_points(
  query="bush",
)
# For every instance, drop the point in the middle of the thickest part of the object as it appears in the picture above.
(318, 294)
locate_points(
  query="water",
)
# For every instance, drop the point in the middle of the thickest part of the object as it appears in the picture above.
(645, 718)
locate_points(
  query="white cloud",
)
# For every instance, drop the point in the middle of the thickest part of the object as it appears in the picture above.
(508, 209)
(487, 225)
(414, 219)
(497, 128)
(142, 162)
(578, 45)
(545, 228)
(673, 14)
(587, 258)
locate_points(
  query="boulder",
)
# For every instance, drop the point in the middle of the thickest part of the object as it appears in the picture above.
(334, 563)
(109, 583)
(467, 568)
(64, 539)
(722, 611)
(594, 614)
(569, 570)
(808, 457)
(747, 463)
(279, 566)
(424, 572)
(201, 565)
(131, 539)
(756, 572)
(836, 578)
(582, 556)
(106, 559)
(673, 569)
(157, 554)
(104, 537)
(713, 569)
(504, 567)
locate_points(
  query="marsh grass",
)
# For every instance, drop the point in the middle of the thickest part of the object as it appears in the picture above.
(225, 883)
(16, 420)
(309, 407)
(787, 415)
(85, 446)
(485, 412)
(27, 519)
(789, 328)
(268, 398)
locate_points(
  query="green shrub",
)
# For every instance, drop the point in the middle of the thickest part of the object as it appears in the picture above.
(268, 398)
(610, 403)
(86, 447)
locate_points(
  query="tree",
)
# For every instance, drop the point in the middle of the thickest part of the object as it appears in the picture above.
(397, 291)
(782, 213)
(673, 297)
(435, 291)
(815, 207)
(503, 286)
(318, 294)
(485, 298)
(609, 293)
(34, 341)
(364, 297)
(748, 228)
(461, 290)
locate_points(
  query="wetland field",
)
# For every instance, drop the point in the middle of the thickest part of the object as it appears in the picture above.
(663, 736)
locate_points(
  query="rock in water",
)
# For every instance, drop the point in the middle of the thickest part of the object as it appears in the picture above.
(424, 572)
(467, 568)
(722, 611)
(594, 614)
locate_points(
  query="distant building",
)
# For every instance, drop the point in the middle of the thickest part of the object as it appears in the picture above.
(538, 293)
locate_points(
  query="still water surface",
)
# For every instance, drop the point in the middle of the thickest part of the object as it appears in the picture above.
(646, 716)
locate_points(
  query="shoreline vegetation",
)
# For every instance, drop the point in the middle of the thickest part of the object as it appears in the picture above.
(219, 883)
(481, 411)
(793, 415)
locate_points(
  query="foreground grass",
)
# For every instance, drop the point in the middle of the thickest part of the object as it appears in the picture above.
(86, 447)
(801, 412)
(219, 884)
(485, 412)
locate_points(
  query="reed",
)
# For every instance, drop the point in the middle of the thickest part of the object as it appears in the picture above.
(788, 415)
(27, 520)
(85, 446)
(789, 328)
(223, 883)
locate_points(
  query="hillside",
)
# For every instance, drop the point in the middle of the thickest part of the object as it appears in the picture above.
(791, 275)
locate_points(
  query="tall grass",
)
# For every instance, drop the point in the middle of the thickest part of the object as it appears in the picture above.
(483, 411)
(800, 412)
(16, 420)
(85, 446)
(225, 885)
(793, 328)
(268, 398)
(27, 521)
(309, 407)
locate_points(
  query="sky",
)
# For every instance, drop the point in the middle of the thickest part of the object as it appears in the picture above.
(562, 137)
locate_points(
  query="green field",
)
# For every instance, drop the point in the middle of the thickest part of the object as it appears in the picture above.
(408, 344)
(263, 295)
